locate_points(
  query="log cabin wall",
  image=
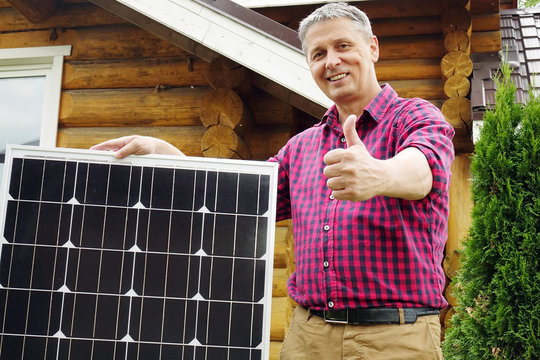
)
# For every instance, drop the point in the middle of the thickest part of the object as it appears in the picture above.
(122, 80)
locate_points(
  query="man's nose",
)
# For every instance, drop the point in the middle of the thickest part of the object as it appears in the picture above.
(332, 59)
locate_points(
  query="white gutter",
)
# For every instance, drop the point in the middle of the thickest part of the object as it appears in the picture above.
(253, 4)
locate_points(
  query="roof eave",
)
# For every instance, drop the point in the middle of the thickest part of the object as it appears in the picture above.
(206, 32)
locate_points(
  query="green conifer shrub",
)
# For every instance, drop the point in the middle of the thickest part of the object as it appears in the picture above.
(498, 284)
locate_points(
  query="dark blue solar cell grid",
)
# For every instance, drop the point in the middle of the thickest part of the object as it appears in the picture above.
(114, 261)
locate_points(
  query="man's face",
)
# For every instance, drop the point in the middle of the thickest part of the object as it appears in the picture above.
(341, 59)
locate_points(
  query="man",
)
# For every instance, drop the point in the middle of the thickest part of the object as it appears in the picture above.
(367, 191)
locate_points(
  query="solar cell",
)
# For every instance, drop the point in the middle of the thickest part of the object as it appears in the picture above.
(147, 257)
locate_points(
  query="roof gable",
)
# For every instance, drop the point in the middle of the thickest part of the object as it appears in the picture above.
(208, 31)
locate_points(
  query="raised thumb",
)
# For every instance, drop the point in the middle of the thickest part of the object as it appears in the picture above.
(349, 130)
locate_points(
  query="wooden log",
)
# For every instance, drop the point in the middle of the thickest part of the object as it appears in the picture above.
(397, 9)
(288, 96)
(291, 305)
(442, 315)
(131, 107)
(278, 321)
(279, 283)
(463, 143)
(291, 263)
(457, 40)
(459, 219)
(457, 111)
(284, 223)
(66, 16)
(220, 141)
(460, 197)
(406, 26)
(486, 22)
(408, 69)
(224, 106)
(35, 10)
(186, 138)
(451, 263)
(450, 3)
(484, 7)
(97, 43)
(143, 73)
(280, 246)
(225, 73)
(456, 63)
(280, 260)
(411, 47)
(449, 295)
(485, 41)
(457, 85)
(268, 109)
(275, 349)
(507, 4)
(158, 28)
(456, 18)
(292, 15)
(448, 316)
(266, 140)
(438, 103)
(423, 88)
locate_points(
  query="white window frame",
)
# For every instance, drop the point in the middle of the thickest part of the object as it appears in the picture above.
(45, 61)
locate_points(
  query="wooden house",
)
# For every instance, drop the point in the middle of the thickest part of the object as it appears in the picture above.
(520, 35)
(218, 79)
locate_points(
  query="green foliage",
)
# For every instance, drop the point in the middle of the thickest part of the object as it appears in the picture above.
(498, 285)
(528, 3)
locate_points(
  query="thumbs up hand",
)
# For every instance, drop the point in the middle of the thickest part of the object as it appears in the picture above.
(353, 174)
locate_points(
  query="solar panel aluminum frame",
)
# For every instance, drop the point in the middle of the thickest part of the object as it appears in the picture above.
(227, 166)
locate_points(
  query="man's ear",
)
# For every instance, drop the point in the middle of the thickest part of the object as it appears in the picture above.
(374, 47)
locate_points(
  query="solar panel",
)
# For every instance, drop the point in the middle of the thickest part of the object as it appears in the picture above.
(148, 257)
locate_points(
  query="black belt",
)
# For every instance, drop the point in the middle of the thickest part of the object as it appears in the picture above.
(373, 316)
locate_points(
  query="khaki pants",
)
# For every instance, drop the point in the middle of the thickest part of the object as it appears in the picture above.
(311, 338)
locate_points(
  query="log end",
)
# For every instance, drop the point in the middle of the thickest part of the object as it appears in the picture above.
(220, 141)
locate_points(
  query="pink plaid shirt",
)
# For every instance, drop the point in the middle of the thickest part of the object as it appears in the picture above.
(380, 252)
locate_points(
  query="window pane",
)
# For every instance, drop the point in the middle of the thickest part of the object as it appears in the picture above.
(21, 104)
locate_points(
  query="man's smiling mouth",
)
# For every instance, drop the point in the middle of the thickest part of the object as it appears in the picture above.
(337, 77)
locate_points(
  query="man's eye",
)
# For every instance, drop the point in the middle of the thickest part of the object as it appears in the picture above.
(316, 55)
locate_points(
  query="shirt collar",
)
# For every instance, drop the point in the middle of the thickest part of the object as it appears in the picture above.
(376, 109)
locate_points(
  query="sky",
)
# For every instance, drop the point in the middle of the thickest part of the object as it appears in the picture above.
(21, 109)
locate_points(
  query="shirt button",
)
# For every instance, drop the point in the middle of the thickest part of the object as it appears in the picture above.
(326, 227)
(326, 264)
(330, 304)
(331, 196)
(342, 139)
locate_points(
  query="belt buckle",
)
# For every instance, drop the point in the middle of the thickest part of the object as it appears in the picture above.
(336, 316)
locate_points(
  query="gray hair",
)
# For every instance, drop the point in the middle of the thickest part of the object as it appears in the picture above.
(332, 11)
